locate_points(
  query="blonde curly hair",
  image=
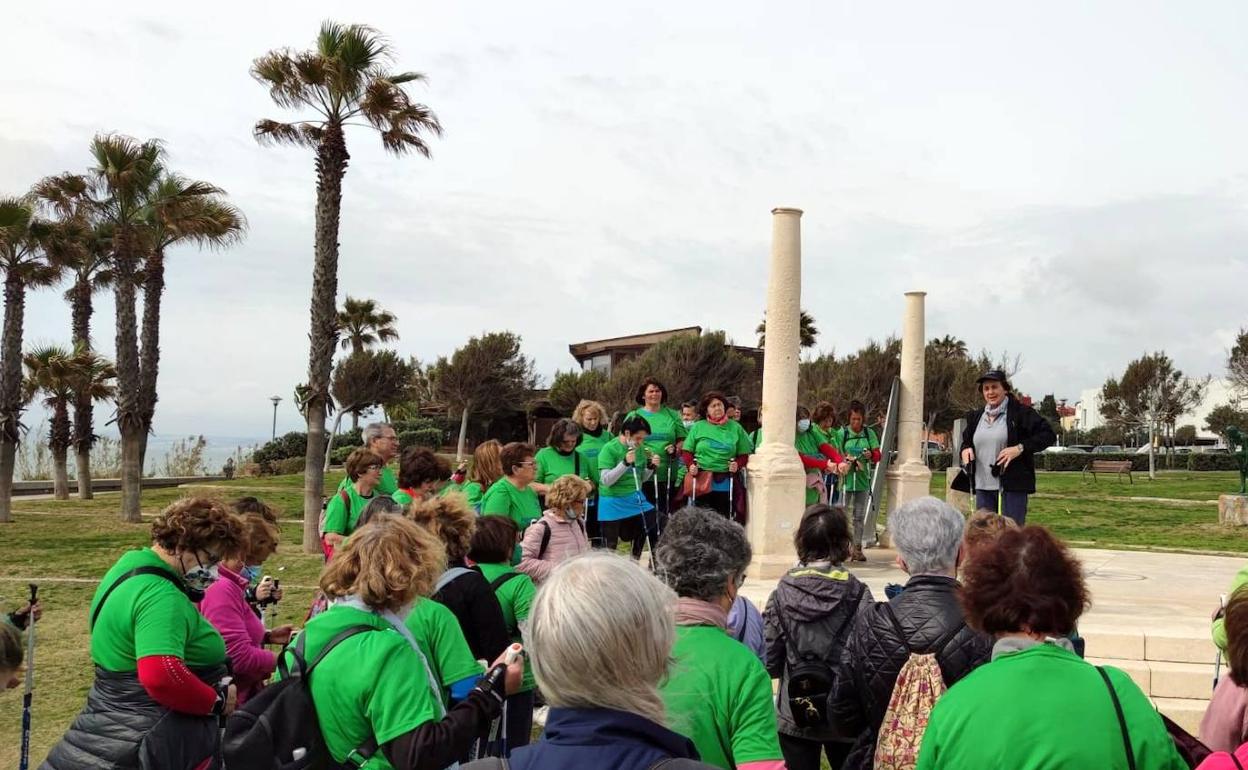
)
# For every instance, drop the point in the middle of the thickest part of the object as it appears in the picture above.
(199, 524)
(567, 490)
(386, 563)
(450, 519)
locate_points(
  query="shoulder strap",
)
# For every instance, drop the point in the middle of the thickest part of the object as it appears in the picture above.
(576, 463)
(338, 638)
(498, 582)
(1235, 759)
(541, 551)
(346, 499)
(448, 577)
(149, 570)
(1122, 722)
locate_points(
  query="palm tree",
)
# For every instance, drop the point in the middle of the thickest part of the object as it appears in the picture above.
(179, 210)
(126, 171)
(806, 331)
(90, 267)
(362, 325)
(948, 346)
(343, 81)
(25, 263)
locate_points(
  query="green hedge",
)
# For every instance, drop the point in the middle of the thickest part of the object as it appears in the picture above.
(1210, 462)
(1077, 461)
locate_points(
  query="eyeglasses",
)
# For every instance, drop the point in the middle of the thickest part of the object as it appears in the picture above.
(374, 467)
(527, 463)
(211, 557)
(740, 579)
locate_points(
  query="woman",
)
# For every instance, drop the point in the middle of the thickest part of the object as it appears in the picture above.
(808, 617)
(380, 505)
(1047, 706)
(861, 448)
(591, 416)
(10, 656)
(824, 419)
(513, 495)
(421, 472)
(818, 456)
(559, 457)
(718, 693)
(1000, 444)
(666, 432)
(226, 608)
(598, 664)
(560, 533)
(491, 551)
(1225, 724)
(342, 512)
(624, 467)
(160, 667)
(717, 447)
(688, 414)
(376, 687)
(463, 590)
(487, 468)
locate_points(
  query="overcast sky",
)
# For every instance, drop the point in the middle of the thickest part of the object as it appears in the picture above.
(1066, 180)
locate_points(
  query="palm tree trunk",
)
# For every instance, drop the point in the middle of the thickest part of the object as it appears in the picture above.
(331, 167)
(329, 447)
(463, 434)
(59, 444)
(129, 419)
(84, 417)
(10, 387)
(149, 345)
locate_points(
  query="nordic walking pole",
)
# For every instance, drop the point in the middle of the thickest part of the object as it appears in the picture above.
(30, 679)
(1217, 659)
(732, 477)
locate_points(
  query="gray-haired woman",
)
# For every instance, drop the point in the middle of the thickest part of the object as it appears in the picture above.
(718, 693)
(599, 664)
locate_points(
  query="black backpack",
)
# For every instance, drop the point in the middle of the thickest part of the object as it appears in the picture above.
(278, 730)
(813, 678)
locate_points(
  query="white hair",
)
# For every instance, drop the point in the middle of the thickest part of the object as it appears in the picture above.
(600, 635)
(928, 533)
(373, 431)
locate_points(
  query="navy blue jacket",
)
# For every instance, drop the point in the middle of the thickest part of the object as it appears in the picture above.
(576, 739)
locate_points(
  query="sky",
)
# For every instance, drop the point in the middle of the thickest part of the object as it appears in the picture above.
(1068, 181)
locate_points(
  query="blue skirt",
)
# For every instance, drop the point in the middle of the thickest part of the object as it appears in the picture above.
(617, 508)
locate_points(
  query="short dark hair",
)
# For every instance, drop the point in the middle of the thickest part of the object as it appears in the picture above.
(802, 412)
(713, 395)
(561, 430)
(634, 424)
(823, 410)
(689, 405)
(419, 464)
(494, 540)
(641, 390)
(380, 505)
(1235, 621)
(823, 533)
(246, 505)
(358, 462)
(1024, 578)
(513, 454)
(857, 407)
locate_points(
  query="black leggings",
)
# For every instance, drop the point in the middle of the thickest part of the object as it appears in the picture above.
(802, 754)
(634, 529)
(716, 501)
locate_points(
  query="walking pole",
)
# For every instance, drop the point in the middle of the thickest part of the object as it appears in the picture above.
(641, 505)
(1217, 658)
(30, 680)
(731, 510)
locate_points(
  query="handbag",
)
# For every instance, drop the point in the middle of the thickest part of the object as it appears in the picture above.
(697, 485)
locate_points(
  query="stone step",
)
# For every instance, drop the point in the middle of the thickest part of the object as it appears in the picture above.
(1163, 679)
(1185, 712)
(1139, 670)
(1194, 647)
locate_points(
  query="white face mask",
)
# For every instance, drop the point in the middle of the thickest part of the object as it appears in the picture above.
(200, 577)
(570, 514)
(687, 423)
(803, 425)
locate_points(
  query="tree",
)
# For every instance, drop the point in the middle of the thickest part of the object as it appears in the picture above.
(362, 325)
(1223, 417)
(689, 366)
(345, 77)
(1048, 410)
(364, 380)
(1185, 435)
(26, 265)
(1237, 363)
(807, 333)
(949, 346)
(569, 388)
(1150, 394)
(486, 376)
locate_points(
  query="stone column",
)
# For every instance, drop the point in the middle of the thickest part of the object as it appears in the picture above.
(909, 478)
(777, 487)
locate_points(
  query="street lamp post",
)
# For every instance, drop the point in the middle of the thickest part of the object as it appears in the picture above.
(276, 400)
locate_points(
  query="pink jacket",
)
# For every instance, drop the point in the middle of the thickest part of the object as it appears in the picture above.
(1225, 724)
(567, 539)
(225, 606)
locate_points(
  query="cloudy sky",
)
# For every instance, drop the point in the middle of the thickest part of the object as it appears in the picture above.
(1067, 180)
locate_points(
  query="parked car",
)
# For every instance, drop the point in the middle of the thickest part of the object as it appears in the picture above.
(1107, 449)
(934, 446)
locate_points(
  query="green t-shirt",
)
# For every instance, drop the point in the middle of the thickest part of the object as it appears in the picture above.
(589, 448)
(341, 518)
(853, 445)
(714, 446)
(515, 597)
(1047, 709)
(503, 499)
(388, 485)
(666, 428)
(1219, 625)
(371, 685)
(450, 487)
(719, 695)
(551, 464)
(148, 615)
(437, 631)
(612, 455)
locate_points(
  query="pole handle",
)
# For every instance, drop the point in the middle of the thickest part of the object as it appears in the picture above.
(34, 593)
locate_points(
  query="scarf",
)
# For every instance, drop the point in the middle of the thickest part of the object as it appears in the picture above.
(992, 413)
(595, 433)
(1007, 645)
(695, 612)
(720, 421)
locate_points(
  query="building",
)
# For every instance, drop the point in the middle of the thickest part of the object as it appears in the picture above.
(604, 355)
(1088, 408)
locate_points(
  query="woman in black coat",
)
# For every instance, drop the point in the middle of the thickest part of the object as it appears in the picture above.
(999, 447)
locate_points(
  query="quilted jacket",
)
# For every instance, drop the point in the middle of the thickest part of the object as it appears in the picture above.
(927, 611)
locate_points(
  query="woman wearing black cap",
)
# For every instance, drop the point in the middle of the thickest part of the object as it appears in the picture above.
(999, 447)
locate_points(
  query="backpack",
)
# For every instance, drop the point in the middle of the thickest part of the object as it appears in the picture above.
(278, 727)
(541, 550)
(919, 685)
(448, 577)
(813, 677)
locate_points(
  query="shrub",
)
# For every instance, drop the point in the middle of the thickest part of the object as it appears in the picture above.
(293, 444)
(939, 461)
(1212, 462)
(289, 465)
(340, 454)
(428, 437)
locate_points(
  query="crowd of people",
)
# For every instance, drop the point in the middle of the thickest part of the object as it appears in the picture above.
(460, 607)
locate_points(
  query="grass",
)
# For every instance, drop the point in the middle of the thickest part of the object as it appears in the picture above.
(66, 546)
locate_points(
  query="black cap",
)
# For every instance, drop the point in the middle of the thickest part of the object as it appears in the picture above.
(992, 374)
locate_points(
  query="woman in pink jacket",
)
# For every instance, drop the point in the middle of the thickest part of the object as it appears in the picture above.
(560, 533)
(226, 608)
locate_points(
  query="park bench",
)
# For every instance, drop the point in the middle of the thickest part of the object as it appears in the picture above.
(1109, 466)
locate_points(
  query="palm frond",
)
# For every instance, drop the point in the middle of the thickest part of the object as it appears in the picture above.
(299, 134)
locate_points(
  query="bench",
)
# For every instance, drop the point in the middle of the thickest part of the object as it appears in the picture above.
(1109, 466)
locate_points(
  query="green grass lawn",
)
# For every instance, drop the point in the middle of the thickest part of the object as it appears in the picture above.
(66, 546)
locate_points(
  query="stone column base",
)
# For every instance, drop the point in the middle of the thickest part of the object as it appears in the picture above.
(777, 490)
(1233, 510)
(908, 482)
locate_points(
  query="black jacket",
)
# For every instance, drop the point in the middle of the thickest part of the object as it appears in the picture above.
(814, 604)
(1025, 426)
(479, 614)
(927, 612)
